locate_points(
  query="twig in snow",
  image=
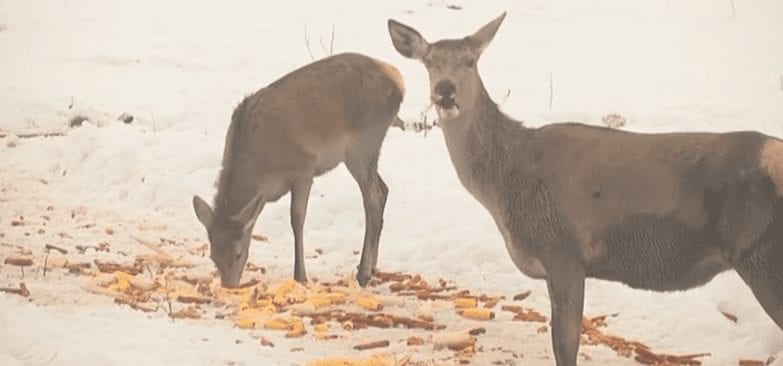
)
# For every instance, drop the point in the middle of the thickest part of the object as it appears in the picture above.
(149, 270)
(168, 299)
(49, 247)
(330, 51)
(307, 43)
(20, 262)
(508, 94)
(30, 135)
(331, 43)
(46, 263)
(551, 90)
(154, 248)
(733, 8)
(22, 290)
(323, 46)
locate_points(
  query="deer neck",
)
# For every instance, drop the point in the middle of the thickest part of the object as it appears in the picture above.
(238, 181)
(484, 146)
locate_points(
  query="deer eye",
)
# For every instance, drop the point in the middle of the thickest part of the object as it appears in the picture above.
(470, 62)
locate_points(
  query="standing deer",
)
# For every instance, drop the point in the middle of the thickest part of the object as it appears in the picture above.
(661, 212)
(301, 126)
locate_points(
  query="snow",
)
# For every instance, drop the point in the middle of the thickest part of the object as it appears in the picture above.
(179, 67)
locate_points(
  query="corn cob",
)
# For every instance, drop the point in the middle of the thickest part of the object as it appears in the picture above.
(277, 324)
(369, 303)
(477, 313)
(465, 302)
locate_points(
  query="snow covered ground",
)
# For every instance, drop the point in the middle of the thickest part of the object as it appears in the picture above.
(179, 67)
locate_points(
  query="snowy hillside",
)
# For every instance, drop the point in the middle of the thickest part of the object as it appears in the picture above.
(180, 67)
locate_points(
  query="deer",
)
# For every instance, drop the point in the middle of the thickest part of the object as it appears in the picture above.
(661, 212)
(335, 110)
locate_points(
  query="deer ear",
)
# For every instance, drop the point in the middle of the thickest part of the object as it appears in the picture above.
(249, 213)
(481, 39)
(407, 40)
(204, 213)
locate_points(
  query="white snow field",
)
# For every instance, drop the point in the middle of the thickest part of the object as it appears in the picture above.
(179, 67)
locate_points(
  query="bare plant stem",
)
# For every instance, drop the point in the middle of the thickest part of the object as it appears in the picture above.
(33, 134)
(331, 43)
(307, 43)
(329, 51)
(323, 46)
(551, 90)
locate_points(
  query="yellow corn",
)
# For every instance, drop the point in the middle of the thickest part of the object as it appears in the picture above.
(335, 361)
(277, 324)
(465, 302)
(296, 323)
(369, 303)
(244, 306)
(302, 309)
(295, 333)
(297, 328)
(322, 327)
(377, 360)
(319, 301)
(269, 309)
(477, 313)
(263, 303)
(245, 322)
(282, 291)
(123, 283)
(335, 297)
(285, 287)
(348, 325)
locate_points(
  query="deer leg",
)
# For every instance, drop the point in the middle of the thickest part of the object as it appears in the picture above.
(762, 271)
(566, 294)
(300, 193)
(374, 192)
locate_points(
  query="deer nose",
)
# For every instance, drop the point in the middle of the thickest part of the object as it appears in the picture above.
(444, 90)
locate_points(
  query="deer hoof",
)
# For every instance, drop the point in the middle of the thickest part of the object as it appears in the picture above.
(363, 279)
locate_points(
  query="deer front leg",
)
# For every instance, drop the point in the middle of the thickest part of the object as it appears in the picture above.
(300, 193)
(566, 287)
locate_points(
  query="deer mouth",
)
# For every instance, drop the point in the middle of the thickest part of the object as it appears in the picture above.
(447, 103)
(444, 103)
(447, 109)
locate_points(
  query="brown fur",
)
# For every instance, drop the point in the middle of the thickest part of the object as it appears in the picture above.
(393, 74)
(771, 159)
(335, 110)
(662, 212)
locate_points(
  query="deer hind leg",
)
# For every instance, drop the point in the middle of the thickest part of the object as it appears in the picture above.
(566, 295)
(300, 194)
(362, 162)
(762, 270)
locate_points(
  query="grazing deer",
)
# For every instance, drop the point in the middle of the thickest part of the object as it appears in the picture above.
(661, 212)
(301, 126)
